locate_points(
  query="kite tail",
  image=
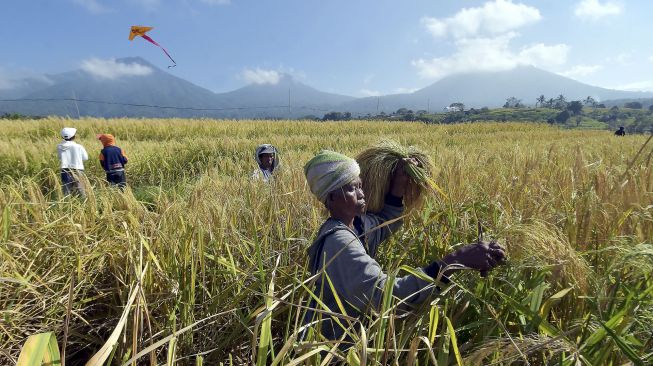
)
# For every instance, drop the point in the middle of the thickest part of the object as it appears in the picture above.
(158, 45)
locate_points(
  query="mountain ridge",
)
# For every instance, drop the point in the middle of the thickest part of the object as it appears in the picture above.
(185, 99)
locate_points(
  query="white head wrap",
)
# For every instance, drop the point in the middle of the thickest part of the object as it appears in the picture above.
(328, 171)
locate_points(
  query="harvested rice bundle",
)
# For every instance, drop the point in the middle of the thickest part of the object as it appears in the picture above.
(377, 165)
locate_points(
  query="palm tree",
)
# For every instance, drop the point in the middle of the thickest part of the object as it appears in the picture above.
(550, 102)
(560, 102)
(590, 101)
(540, 101)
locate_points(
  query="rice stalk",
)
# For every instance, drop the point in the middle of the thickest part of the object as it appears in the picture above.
(211, 236)
(378, 164)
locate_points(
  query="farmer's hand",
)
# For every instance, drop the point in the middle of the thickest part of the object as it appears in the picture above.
(482, 256)
(400, 178)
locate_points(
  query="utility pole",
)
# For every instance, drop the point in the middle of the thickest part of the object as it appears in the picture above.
(76, 106)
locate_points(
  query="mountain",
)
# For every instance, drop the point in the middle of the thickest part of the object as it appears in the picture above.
(646, 102)
(163, 89)
(128, 96)
(156, 88)
(21, 87)
(489, 89)
(304, 100)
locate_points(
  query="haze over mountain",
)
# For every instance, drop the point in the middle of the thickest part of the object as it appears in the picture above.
(490, 89)
(304, 100)
(126, 95)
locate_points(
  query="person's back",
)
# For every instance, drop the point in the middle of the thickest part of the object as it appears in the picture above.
(113, 160)
(71, 156)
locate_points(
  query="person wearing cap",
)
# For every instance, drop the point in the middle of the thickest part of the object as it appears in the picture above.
(113, 160)
(347, 244)
(267, 159)
(72, 156)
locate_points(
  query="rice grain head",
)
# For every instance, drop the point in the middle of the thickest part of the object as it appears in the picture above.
(378, 164)
(538, 245)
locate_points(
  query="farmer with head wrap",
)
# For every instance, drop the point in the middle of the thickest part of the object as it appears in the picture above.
(346, 245)
(72, 156)
(113, 160)
(266, 157)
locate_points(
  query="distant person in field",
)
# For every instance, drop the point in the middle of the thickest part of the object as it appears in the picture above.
(113, 160)
(347, 244)
(268, 161)
(72, 156)
(620, 131)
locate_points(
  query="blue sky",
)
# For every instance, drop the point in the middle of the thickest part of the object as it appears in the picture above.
(359, 48)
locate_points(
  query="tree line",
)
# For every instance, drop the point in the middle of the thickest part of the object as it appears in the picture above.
(588, 113)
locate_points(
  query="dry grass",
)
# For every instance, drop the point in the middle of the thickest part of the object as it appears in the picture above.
(378, 164)
(578, 237)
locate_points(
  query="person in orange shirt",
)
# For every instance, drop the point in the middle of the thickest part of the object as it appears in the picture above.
(113, 160)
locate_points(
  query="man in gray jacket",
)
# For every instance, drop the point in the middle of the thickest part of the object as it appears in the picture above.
(267, 159)
(347, 244)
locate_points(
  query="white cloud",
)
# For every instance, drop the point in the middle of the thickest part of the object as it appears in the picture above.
(595, 10)
(636, 86)
(261, 76)
(543, 55)
(482, 37)
(437, 28)
(12, 78)
(93, 6)
(490, 54)
(296, 74)
(216, 2)
(623, 58)
(492, 18)
(368, 79)
(650, 58)
(377, 93)
(370, 93)
(581, 70)
(110, 69)
(405, 90)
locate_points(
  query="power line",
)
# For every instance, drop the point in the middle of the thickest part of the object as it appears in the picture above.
(289, 106)
(138, 105)
(313, 108)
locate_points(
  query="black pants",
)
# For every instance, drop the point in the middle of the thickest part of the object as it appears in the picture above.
(72, 183)
(117, 179)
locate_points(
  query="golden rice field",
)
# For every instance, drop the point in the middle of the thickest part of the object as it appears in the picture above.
(198, 265)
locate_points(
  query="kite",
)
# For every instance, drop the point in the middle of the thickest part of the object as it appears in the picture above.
(139, 31)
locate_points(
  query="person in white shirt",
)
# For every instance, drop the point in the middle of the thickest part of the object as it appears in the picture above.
(72, 156)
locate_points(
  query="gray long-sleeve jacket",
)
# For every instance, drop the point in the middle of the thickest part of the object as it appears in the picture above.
(356, 277)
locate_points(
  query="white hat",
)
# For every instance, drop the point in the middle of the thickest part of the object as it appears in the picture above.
(68, 132)
(266, 149)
